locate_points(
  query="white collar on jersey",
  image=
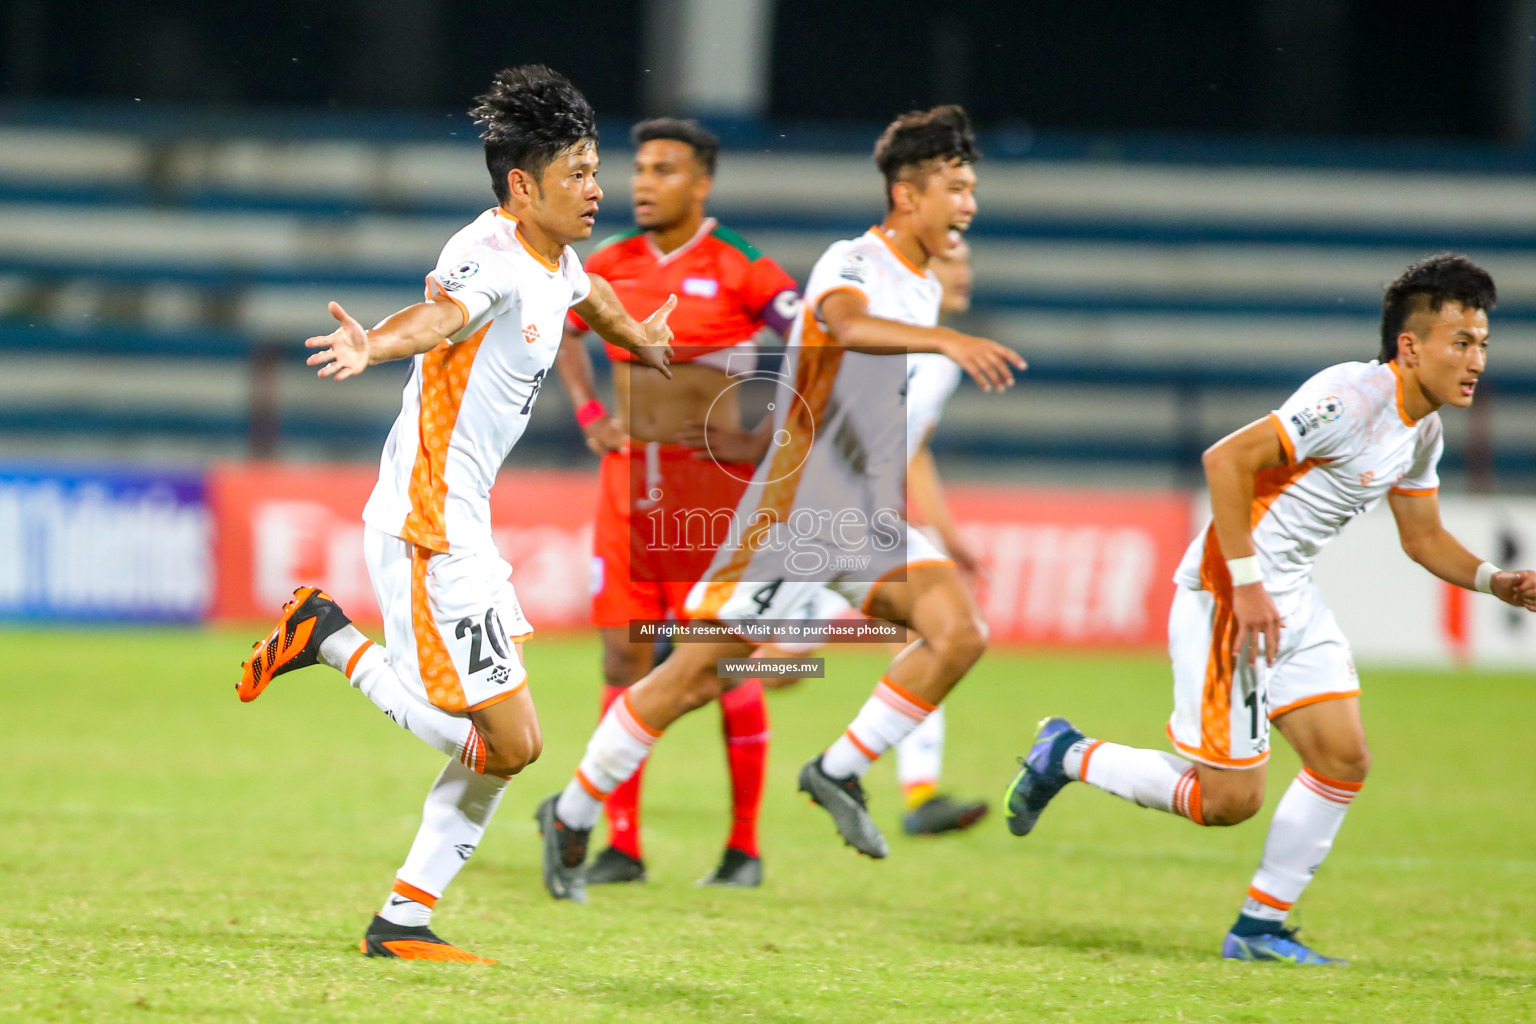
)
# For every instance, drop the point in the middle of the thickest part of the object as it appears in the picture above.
(698, 236)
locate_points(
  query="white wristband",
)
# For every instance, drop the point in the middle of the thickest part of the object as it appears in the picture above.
(1483, 581)
(1244, 570)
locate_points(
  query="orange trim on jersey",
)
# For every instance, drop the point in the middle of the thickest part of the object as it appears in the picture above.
(833, 291)
(444, 378)
(1285, 439)
(862, 748)
(410, 892)
(1402, 410)
(898, 253)
(442, 293)
(1268, 486)
(1082, 769)
(586, 784)
(1213, 759)
(501, 211)
(1216, 698)
(1422, 493)
(1260, 896)
(1316, 698)
(434, 663)
(921, 563)
(907, 695)
(814, 377)
(356, 656)
(489, 701)
(630, 707)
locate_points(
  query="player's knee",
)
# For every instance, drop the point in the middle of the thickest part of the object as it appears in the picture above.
(511, 754)
(960, 644)
(1230, 806)
(1349, 764)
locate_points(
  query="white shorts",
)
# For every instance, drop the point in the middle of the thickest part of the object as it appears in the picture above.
(768, 587)
(1221, 707)
(451, 622)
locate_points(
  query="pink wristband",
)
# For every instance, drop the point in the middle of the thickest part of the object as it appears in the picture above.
(590, 412)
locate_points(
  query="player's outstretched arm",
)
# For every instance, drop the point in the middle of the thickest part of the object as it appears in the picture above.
(846, 314)
(1230, 466)
(1426, 540)
(648, 340)
(603, 432)
(349, 350)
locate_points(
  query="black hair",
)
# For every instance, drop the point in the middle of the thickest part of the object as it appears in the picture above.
(916, 140)
(531, 115)
(703, 143)
(1428, 285)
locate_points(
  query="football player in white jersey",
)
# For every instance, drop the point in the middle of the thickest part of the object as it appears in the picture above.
(812, 515)
(482, 344)
(1249, 635)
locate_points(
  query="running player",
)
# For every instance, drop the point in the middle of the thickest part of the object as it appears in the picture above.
(481, 345)
(931, 379)
(1281, 488)
(826, 501)
(727, 293)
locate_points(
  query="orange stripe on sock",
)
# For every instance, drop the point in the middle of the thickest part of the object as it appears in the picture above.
(1260, 896)
(1353, 787)
(862, 748)
(904, 695)
(410, 892)
(1325, 792)
(356, 655)
(654, 734)
(1082, 769)
(1191, 797)
(586, 784)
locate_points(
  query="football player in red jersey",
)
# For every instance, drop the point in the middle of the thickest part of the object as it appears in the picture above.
(726, 292)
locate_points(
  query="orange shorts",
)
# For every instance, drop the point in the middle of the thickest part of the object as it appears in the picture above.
(662, 511)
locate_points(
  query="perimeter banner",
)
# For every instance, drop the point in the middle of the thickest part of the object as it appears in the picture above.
(1077, 568)
(108, 545)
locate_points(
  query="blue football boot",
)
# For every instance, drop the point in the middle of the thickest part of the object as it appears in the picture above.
(1041, 776)
(1281, 945)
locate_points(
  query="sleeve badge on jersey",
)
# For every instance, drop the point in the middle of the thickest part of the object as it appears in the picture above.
(855, 268)
(464, 271)
(1330, 408)
(1304, 420)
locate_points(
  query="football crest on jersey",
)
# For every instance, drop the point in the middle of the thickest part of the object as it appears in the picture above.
(1330, 408)
(530, 334)
(464, 271)
(855, 268)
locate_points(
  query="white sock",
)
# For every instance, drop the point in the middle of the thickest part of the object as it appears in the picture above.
(1300, 836)
(920, 757)
(458, 808)
(886, 718)
(615, 752)
(374, 674)
(1150, 778)
(338, 649)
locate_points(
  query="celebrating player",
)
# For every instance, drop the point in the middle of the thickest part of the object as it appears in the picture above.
(1281, 488)
(826, 499)
(481, 345)
(727, 292)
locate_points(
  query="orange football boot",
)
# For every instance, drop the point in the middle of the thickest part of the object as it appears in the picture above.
(307, 621)
(407, 942)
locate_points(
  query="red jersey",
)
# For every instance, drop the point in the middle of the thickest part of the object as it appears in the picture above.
(726, 290)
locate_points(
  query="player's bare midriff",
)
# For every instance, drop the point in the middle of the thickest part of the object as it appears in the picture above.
(653, 408)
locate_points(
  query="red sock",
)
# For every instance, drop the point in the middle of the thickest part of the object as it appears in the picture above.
(745, 720)
(623, 804)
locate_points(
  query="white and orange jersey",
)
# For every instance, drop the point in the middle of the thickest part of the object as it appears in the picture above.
(931, 378)
(468, 400)
(1348, 442)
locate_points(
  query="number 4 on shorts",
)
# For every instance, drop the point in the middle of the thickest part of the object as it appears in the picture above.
(764, 595)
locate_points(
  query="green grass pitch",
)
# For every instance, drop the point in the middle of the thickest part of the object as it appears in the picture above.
(168, 854)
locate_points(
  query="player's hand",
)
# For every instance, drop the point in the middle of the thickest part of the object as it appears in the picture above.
(722, 444)
(965, 559)
(1516, 588)
(991, 365)
(344, 352)
(604, 435)
(1257, 617)
(655, 348)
